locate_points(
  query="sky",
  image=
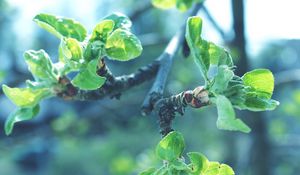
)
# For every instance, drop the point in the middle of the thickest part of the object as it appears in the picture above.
(266, 20)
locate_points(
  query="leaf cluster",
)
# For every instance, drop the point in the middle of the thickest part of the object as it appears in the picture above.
(78, 52)
(170, 150)
(252, 91)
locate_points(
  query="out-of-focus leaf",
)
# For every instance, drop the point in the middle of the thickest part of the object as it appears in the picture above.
(2, 75)
(120, 21)
(25, 97)
(20, 114)
(171, 146)
(102, 30)
(164, 4)
(88, 79)
(184, 5)
(122, 45)
(40, 65)
(226, 116)
(61, 27)
(261, 80)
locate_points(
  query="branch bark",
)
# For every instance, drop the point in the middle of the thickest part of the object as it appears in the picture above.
(166, 61)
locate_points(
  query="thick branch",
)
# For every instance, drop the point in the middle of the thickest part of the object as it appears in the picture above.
(167, 107)
(166, 60)
(121, 83)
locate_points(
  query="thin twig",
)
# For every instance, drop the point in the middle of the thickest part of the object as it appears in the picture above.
(214, 23)
(166, 60)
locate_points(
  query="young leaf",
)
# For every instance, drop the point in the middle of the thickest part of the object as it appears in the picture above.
(261, 80)
(102, 30)
(202, 166)
(40, 65)
(171, 146)
(218, 55)
(122, 45)
(120, 21)
(164, 4)
(198, 161)
(20, 114)
(226, 116)
(215, 168)
(88, 79)
(61, 27)
(149, 171)
(25, 97)
(197, 47)
(184, 5)
(255, 103)
(222, 79)
(71, 49)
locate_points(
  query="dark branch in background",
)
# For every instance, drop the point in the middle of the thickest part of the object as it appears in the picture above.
(239, 40)
(139, 11)
(287, 77)
(166, 60)
(214, 23)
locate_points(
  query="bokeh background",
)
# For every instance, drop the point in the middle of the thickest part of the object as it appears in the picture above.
(110, 137)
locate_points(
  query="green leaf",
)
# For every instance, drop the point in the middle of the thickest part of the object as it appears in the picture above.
(198, 161)
(184, 5)
(179, 165)
(226, 116)
(162, 171)
(88, 79)
(25, 97)
(218, 55)
(122, 45)
(120, 21)
(61, 27)
(164, 4)
(261, 81)
(149, 171)
(254, 103)
(20, 114)
(222, 79)
(71, 49)
(102, 30)
(40, 65)
(202, 166)
(171, 146)
(196, 45)
(215, 168)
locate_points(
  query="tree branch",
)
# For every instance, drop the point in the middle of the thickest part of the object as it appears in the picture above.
(214, 23)
(286, 77)
(167, 107)
(166, 60)
(120, 84)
